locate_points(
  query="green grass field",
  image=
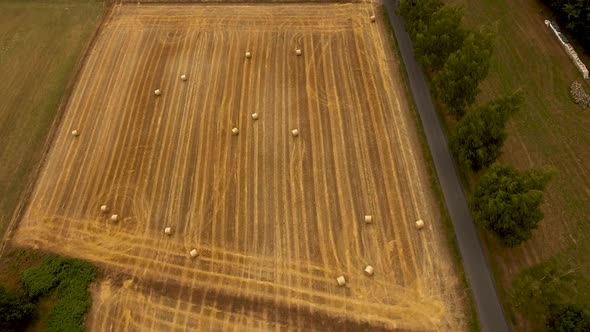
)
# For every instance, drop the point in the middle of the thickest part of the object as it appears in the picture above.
(549, 130)
(40, 44)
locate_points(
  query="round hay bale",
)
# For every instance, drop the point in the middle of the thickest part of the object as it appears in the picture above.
(368, 219)
(104, 208)
(372, 18)
(369, 270)
(115, 217)
(298, 51)
(168, 231)
(235, 131)
(255, 116)
(194, 253)
(341, 281)
(183, 77)
(157, 92)
(248, 55)
(295, 132)
(75, 133)
(419, 224)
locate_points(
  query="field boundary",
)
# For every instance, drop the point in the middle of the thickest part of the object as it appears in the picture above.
(32, 180)
(490, 311)
(436, 186)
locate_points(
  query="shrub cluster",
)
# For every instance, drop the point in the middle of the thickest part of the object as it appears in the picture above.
(70, 278)
(15, 311)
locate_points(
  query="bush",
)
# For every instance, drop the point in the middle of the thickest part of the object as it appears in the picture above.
(443, 35)
(507, 202)
(14, 311)
(417, 14)
(70, 277)
(40, 280)
(568, 318)
(457, 84)
(477, 142)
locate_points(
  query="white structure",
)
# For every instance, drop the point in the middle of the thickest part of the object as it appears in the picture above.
(75, 133)
(341, 281)
(235, 131)
(369, 270)
(255, 116)
(183, 77)
(115, 217)
(104, 208)
(295, 132)
(248, 55)
(168, 231)
(568, 48)
(194, 253)
(368, 219)
(157, 92)
(298, 51)
(372, 18)
(419, 224)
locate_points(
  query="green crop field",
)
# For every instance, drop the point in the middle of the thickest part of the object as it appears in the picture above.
(549, 130)
(40, 44)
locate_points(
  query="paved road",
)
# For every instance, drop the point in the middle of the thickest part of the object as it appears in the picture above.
(477, 269)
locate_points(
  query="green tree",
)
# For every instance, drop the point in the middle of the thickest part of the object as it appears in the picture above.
(507, 202)
(417, 14)
(14, 311)
(480, 135)
(443, 35)
(568, 319)
(457, 84)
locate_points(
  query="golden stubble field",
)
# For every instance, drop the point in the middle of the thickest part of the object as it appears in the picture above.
(276, 218)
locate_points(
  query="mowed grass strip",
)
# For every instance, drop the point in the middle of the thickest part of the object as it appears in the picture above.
(550, 130)
(40, 44)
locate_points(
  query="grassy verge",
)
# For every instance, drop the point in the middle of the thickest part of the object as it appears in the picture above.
(40, 45)
(434, 183)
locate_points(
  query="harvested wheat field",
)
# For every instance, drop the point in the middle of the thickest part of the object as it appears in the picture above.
(275, 218)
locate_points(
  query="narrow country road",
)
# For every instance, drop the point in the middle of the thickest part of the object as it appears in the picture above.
(477, 269)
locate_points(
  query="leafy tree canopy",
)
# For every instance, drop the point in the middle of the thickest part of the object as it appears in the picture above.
(14, 311)
(443, 35)
(457, 84)
(507, 202)
(480, 135)
(568, 319)
(417, 13)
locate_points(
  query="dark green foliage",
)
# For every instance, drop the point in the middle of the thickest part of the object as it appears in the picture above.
(14, 311)
(507, 202)
(70, 277)
(479, 137)
(573, 16)
(417, 14)
(568, 318)
(433, 43)
(40, 280)
(457, 84)
(542, 291)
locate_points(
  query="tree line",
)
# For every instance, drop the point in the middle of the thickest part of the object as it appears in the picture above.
(505, 201)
